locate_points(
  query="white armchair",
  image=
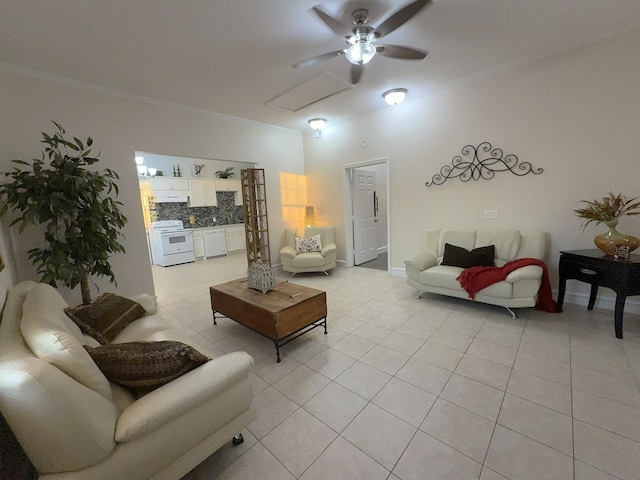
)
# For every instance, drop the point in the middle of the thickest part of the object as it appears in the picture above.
(295, 260)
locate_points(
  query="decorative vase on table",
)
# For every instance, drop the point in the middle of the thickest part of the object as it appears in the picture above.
(610, 241)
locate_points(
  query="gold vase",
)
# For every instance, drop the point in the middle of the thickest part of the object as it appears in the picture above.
(610, 241)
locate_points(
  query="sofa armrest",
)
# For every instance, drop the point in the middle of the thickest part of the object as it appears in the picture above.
(530, 272)
(328, 249)
(421, 261)
(288, 252)
(181, 395)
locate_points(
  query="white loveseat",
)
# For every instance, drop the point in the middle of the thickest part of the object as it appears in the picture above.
(74, 424)
(518, 290)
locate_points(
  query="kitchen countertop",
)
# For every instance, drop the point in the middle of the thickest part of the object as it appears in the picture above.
(214, 227)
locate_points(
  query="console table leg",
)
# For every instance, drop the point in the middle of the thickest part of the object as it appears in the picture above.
(592, 296)
(325, 325)
(620, 299)
(214, 318)
(562, 284)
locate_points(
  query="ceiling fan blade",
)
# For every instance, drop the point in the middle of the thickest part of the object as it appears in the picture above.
(307, 62)
(405, 53)
(400, 17)
(335, 25)
(356, 73)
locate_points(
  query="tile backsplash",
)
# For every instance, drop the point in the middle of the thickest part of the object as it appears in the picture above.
(226, 213)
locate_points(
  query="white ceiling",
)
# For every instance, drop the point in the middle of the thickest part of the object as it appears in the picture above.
(234, 56)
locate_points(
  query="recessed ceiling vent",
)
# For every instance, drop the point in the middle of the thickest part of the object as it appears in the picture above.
(315, 90)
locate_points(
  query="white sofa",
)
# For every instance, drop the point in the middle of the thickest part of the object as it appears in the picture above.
(518, 290)
(321, 261)
(73, 424)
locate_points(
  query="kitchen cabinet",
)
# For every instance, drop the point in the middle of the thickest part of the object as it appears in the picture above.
(198, 244)
(214, 242)
(203, 193)
(160, 186)
(235, 238)
(228, 185)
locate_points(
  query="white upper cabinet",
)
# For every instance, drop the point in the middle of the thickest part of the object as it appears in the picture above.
(203, 193)
(227, 185)
(169, 185)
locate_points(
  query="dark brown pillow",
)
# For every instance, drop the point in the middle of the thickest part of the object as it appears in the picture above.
(463, 258)
(144, 366)
(105, 318)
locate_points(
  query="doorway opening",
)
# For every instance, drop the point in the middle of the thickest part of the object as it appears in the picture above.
(367, 219)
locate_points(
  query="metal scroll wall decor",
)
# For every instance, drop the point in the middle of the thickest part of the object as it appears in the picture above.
(483, 162)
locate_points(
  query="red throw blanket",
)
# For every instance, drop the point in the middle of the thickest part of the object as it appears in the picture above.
(474, 279)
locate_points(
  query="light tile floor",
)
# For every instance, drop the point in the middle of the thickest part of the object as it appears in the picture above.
(431, 388)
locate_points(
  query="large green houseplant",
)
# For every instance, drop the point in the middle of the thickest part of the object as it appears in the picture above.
(76, 206)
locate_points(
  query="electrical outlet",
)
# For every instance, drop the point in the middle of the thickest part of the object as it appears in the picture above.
(214, 219)
(491, 214)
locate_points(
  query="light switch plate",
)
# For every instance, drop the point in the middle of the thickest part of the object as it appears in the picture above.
(491, 214)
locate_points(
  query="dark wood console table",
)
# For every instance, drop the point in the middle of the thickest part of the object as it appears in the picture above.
(596, 269)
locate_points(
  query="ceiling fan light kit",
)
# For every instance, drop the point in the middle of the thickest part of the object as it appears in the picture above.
(395, 96)
(360, 53)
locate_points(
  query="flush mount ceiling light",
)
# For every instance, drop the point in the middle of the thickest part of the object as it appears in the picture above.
(395, 96)
(317, 123)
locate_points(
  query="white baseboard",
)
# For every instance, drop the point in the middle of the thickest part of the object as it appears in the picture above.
(606, 302)
(382, 250)
(398, 272)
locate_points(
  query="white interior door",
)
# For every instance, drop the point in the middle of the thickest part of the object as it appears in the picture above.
(364, 221)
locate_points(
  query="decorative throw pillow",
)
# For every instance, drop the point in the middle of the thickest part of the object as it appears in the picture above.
(144, 366)
(463, 258)
(106, 317)
(312, 244)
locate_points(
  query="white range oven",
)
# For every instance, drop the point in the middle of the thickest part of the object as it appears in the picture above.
(172, 243)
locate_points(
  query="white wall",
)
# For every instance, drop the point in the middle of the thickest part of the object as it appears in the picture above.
(121, 125)
(576, 115)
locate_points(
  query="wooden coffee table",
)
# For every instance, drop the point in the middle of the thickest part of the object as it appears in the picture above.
(280, 315)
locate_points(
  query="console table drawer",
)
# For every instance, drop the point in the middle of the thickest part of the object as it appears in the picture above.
(587, 273)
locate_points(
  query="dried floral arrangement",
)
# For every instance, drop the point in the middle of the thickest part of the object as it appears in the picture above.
(610, 208)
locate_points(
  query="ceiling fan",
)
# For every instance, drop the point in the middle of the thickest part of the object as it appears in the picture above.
(361, 46)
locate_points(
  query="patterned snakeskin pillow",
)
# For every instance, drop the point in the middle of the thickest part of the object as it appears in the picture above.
(312, 244)
(144, 366)
(106, 317)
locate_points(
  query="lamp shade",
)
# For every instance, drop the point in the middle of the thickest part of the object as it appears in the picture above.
(309, 216)
(317, 123)
(395, 96)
